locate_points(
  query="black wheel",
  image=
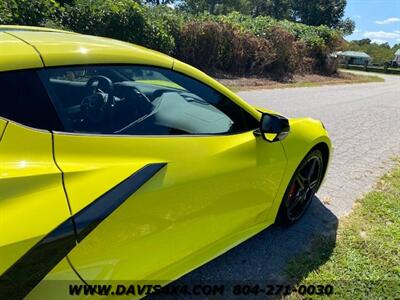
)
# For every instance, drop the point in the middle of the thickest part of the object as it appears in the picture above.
(302, 188)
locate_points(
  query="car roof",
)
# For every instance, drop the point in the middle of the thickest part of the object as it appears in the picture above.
(24, 47)
(16, 54)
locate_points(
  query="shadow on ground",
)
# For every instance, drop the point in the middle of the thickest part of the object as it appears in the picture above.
(265, 258)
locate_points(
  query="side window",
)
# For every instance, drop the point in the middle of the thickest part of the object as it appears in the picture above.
(138, 100)
(23, 99)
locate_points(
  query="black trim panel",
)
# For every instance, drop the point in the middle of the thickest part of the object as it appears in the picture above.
(34, 265)
(89, 217)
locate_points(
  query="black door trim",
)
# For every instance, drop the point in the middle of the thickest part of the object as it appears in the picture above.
(18, 280)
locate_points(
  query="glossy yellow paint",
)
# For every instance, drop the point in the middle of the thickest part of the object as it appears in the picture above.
(3, 124)
(305, 134)
(30, 28)
(213, 187)
(56, 284)
(215, 191)
(15, 54)
(59, 49)
(32, 200)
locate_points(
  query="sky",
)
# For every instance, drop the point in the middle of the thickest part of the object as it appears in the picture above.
(378, 20)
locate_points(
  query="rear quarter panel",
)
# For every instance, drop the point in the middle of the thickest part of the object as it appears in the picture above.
(16, 55)
(32, 199)
(3, 124)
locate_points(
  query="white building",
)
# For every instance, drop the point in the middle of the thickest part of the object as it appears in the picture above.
(397, 57)
(354, 57)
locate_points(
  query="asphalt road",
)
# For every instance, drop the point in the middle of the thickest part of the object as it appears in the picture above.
(364, 123)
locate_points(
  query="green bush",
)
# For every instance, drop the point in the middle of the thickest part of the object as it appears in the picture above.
(233, 43)
(215, 46)
(289, 52)
(163, 21)
(292, 47)
(298, 47)
(28, 12)
(120, 19)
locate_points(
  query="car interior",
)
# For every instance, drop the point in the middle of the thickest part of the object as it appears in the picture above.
(128, 101)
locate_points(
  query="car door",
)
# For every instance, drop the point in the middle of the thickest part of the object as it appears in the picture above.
(32, 201)
(163, 178)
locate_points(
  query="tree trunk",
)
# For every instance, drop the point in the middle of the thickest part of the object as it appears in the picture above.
(212, 4)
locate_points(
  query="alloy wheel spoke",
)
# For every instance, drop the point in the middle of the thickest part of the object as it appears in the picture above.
(312, 169)
(293, 203)
(313, 185)
(307, 181)
(302, 181)
(302, 200)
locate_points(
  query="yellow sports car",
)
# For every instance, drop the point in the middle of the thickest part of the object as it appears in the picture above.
(121, 163)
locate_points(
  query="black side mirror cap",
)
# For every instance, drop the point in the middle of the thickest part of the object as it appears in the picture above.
(273, 128)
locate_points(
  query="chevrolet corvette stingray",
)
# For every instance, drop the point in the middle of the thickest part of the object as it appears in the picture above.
(121, 163)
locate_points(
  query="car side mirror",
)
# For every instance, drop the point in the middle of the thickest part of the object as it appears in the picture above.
(273, 128)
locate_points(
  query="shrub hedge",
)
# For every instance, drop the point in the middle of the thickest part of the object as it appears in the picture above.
(28, 12)
(233, 43)
(220, 47)
(307, 47)
(120, 19)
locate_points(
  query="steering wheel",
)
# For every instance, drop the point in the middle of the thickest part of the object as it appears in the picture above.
(100, 102)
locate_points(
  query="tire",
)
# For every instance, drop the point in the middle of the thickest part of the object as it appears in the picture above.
(301, 190)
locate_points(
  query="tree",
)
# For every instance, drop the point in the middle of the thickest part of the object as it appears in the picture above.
(65, 2)
(28, 12)
(319, 12)
(227, 6)
(158, 2)
(380, 53)
(194, 6)
(385, 45)
(362, 42)
(309, 12)
(216, 7)
(279, 9)
(346, 26)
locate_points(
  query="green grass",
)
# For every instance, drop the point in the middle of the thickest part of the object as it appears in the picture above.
(370, 78)
(365, 262)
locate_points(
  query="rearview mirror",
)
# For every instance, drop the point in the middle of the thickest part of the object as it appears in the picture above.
(273, 128)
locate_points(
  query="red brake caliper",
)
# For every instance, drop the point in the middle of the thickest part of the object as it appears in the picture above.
(292, 190)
